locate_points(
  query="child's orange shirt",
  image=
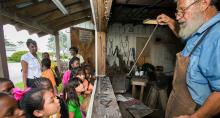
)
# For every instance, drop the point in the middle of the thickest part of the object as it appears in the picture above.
(49, 74)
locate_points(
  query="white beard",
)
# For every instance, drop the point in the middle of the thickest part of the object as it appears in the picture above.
(191, 25)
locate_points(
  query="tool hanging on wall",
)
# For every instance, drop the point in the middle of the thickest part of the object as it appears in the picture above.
(133, 53)
(111, 46)
(123, 45)
(129, 50)
(143, 48)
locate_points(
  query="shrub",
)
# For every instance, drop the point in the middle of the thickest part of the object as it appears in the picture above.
(16, 56)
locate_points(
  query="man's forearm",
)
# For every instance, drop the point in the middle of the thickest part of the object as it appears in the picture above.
(210, 108)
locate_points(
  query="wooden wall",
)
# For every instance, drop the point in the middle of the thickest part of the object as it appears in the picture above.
(127, 36)
(86, 48)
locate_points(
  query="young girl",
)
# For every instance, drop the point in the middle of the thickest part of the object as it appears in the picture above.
(73, 97)
(48, 73)
(46, 84)
(73, 64)
(89, 74)
(9, 108)
(6, 86)
(39, 103)
(87, 85)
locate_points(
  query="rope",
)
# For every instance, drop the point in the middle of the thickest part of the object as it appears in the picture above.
(143, 48)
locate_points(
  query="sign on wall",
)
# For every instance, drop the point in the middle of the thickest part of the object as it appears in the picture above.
(85, 35)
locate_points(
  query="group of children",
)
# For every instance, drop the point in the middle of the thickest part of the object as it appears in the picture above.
(43, 101)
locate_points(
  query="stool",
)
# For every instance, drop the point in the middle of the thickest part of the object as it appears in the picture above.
(138, 82)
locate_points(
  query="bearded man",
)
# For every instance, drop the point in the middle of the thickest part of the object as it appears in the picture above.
(196, 83)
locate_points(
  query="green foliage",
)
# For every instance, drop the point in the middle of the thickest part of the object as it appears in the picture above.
(20, 85)
(64, 57)
(63, 42)
(16, 57)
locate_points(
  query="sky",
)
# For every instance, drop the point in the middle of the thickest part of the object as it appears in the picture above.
(14, 36)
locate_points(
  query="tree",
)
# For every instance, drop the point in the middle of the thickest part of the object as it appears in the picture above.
(63, 43)
(20, 43)
(51, 43)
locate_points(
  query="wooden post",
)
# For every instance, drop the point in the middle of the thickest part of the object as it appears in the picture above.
(58, 50)
(101, 53)
(3, 57)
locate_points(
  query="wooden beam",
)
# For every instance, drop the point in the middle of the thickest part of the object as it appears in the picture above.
(40, 34)
(101, 53)
(101, 13)
(69, 18)
(41, 8)
(68, 24)
(25, 21)
(3, 57)
(57, 14)
(13, 3)
(58, 51)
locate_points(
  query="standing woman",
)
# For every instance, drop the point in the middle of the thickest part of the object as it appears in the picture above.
(30, 64)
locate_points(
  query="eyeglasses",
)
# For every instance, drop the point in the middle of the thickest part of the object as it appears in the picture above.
(181, 13)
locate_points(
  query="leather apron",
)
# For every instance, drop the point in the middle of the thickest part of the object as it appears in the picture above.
(180, 101)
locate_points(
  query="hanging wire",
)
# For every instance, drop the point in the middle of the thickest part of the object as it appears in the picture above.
(143, 48)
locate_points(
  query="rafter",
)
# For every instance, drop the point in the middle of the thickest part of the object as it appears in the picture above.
(68, 24)
(69, 18)
(41, 8)
(56, 14)
(28, 22)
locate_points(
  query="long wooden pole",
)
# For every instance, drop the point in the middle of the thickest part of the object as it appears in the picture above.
(3, 57)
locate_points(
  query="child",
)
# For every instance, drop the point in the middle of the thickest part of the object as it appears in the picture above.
(6, 86)
(87, 85)
(73, 97)
(73, 64)
(9, 108)
(43, 83)
(89, 75)
(46, 84)
(39, 103)
(48, 73)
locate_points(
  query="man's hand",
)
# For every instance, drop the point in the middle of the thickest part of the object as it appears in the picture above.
(163, 19)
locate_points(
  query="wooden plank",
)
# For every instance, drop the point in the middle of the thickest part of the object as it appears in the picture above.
(101, 13)
(41, 8)
(86, 47)
(101, 45)
(13, 3)
(58, 51)
(69, 18)
(105, 104)
(74, 8)
(28, 22)
(40, 34)
(71, 23)
(3, 58)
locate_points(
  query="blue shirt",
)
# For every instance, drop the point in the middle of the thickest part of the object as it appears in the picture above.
(203, 73)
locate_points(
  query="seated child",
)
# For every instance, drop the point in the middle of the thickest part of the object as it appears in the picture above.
(6, 86)
(9, 108)
(73, 98)
(39, 103)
